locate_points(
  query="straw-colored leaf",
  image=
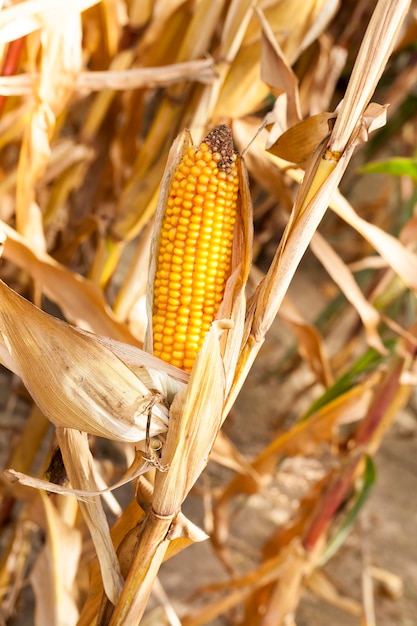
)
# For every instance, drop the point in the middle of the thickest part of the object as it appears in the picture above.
(201, 70)
(379, 41)
(320, 182)
(291, 562)
(402, 260)
(321, 585)
(301, 439)
(75, 380)
(78, 462)
(343, 277)
(23, 18)
(298, 143)
(54, 573)
(310, 344)
(81, 301)
(138, 467)
(277, 73)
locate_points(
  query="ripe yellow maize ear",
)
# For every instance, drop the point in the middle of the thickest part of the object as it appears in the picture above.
(194, 250)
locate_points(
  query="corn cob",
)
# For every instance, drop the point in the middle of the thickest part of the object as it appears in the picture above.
(195, 248)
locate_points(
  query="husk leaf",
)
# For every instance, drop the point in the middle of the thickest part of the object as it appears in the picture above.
(75, 380)
(195, 419)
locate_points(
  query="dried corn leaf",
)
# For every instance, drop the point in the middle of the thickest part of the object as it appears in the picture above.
(376, 47)
(298, 143)
(320, 182)
(139, 12)
(320, 584)
(138, 467)
(290, 566)
(201, 70)
(80, 300)
(309, 343)
(75, 380)
(23, 18)
(13, 564)
(78, 462)
(343, 277)
(302, 439)
(277, 73)
(54, 573)
(196, 41)
(402, 260)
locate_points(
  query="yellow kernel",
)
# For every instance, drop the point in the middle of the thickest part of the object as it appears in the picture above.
(207, 156)
(191, 351)
(198, 200)
(209, 171)
(173, 300)
(195, 337)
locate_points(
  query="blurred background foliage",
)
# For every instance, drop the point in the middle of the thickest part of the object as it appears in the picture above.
(92, 95)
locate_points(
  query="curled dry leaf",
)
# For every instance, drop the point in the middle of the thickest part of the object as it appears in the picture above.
(75, 380)
(138, 467)
(277, 73)
(310, 343)
(298, 143)
(78, 462)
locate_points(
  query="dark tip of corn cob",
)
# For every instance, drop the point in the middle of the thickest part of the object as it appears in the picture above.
(220, 141)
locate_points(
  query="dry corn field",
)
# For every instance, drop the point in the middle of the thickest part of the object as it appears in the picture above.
(208, 288)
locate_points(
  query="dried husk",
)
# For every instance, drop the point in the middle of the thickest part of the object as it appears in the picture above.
(75, 380)
(195, 418)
